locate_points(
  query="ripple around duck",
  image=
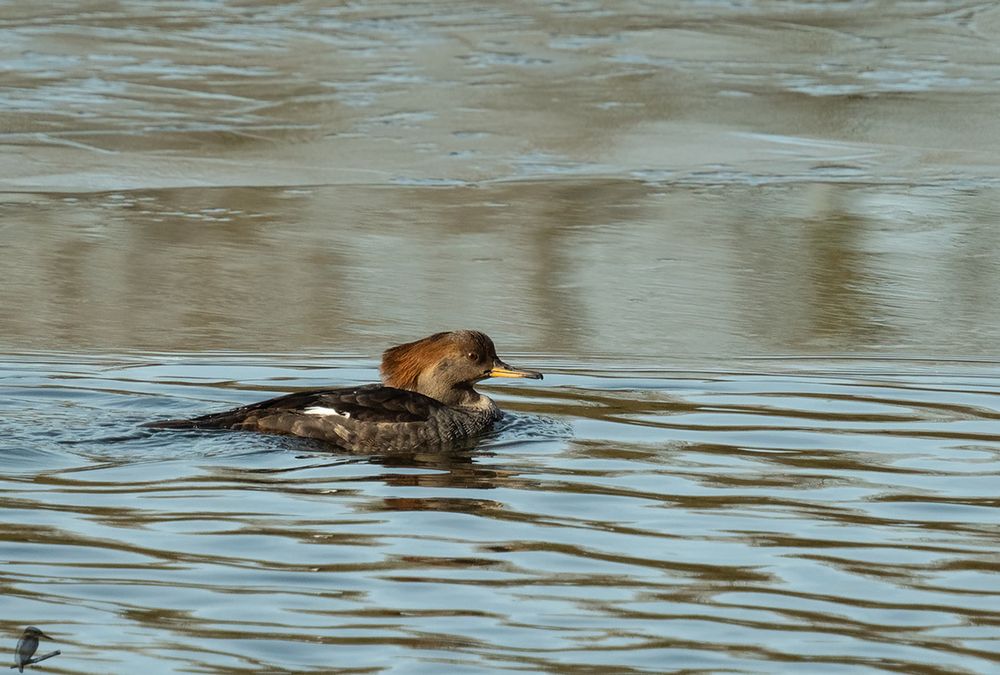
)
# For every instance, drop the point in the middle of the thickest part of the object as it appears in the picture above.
(836, 516)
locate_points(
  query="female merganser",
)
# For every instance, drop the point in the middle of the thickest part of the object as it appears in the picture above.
(426, 399)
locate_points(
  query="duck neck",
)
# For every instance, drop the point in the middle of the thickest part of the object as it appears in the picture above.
(460, 396)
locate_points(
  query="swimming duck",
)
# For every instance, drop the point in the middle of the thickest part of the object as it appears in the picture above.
(426, 399)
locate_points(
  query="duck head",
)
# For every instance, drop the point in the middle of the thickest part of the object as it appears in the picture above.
(445, 366)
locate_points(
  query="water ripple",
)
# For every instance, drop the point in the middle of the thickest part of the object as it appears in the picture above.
(756, 520)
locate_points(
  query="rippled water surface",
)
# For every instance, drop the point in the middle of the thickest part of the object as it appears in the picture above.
(775, 516)
(753, 246)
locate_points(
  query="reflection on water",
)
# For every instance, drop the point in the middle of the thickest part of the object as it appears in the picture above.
(699, 178)
(608, 267)
(786, 516)
(112, 96)
(678, 211)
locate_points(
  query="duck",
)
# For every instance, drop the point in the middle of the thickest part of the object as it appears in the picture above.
(426, 399)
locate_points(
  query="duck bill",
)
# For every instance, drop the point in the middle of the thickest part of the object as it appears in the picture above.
(501, 369)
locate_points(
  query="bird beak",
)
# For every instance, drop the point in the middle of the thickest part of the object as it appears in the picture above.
(501, 369)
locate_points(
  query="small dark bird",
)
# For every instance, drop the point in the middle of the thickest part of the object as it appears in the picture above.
(426, 400)
(26, 647)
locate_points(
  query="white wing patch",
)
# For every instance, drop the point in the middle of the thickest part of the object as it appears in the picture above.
(320, 410)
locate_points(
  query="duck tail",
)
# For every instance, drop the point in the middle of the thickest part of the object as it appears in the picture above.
(222, 420)
(171, 424)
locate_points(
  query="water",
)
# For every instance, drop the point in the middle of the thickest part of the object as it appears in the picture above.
(780, 517)
(753, 247)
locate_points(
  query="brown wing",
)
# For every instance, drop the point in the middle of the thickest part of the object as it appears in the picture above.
(368, 403)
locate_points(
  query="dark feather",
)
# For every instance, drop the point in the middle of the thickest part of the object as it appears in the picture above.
(368, 403)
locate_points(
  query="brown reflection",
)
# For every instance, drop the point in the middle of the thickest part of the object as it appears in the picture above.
(564, 223)
(452, 469)
(812, 284)
(454, 167)
(840, 304)
(604, 266)
(458, 467)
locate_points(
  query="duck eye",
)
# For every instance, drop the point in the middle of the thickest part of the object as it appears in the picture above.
(473, 356)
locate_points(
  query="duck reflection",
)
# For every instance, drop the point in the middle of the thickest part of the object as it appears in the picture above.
(458, 467)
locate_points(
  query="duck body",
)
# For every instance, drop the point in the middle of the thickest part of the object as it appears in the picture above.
(426, 400)
(369, 417)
